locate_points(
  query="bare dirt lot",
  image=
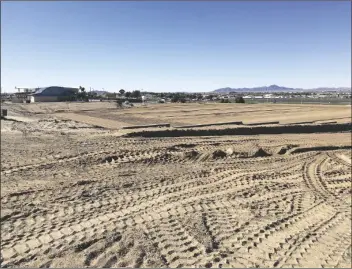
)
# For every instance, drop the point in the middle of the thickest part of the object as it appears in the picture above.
(75, 193)
(184, 114)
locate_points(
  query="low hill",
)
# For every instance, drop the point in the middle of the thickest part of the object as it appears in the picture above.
(276, 88)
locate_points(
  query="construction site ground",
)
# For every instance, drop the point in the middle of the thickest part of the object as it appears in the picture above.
(77, 192)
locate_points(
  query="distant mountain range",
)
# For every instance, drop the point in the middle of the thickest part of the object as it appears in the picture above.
(276, 88)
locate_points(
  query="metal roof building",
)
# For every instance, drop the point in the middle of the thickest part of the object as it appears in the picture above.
(53, 94)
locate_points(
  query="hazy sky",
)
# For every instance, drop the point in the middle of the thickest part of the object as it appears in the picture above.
(175, 46)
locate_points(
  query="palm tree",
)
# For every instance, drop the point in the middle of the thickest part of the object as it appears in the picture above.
(82, 95)
(82, 89)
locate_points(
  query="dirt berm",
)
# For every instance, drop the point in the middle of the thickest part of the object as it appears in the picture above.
(288, 129)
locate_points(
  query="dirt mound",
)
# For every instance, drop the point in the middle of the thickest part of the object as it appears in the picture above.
(218, 154)
(186, 145)
(283, 149)
(181, 146)
(191, 154)
(258, 152)
(318, 148)
(110, 159)
(230, 151)
(214, 155)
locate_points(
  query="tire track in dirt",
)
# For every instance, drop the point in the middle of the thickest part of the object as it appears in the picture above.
(270, 211)
(63, 214)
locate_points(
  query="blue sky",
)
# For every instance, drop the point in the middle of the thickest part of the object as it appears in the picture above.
(175, 46)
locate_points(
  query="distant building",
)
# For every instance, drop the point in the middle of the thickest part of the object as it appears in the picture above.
(53, 94)
(19, 97)
(268, 95)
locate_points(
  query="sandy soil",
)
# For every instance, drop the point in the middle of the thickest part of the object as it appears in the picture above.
(73, 195)
(107, 115)
(184, 114)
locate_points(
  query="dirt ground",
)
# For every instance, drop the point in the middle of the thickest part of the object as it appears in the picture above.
(74, 193)
(183, 114)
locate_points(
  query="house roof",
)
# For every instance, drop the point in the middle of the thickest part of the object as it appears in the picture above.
(54, 91)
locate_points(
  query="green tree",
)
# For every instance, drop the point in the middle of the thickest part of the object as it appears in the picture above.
(122, 91)
(239, 99)
(136, 94)
(128, 94)
(82, 95)
(111, 95)
(175, 99)
(92, 94)
(178, 97)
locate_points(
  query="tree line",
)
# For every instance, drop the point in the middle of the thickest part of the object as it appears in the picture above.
(177, 97)
(82, 95)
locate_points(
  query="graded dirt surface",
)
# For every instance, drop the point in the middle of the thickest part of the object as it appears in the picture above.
(109, 116)
(184, 114)
(75, 195)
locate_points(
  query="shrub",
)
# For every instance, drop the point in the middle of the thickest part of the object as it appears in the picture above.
(136, 94)
(178, 98)
(239, 99)
(174, 99)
